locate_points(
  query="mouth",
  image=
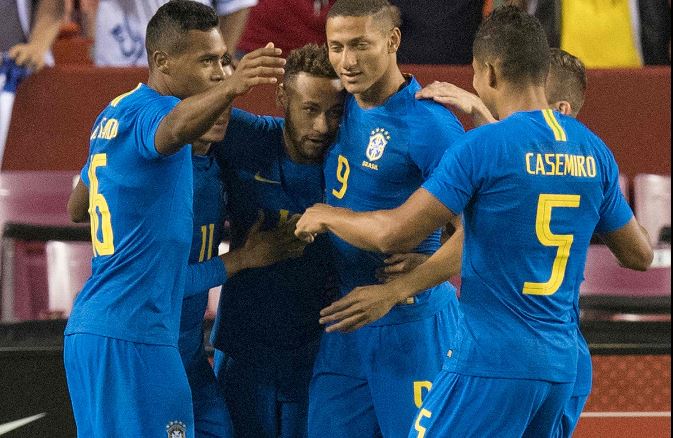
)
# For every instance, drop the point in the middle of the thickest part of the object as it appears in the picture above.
(351, 76)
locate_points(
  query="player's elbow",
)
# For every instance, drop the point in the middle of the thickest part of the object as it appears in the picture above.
(393, 240)
(639, 260)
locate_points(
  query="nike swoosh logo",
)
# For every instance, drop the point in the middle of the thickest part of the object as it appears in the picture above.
(261, 179)
(13, 425)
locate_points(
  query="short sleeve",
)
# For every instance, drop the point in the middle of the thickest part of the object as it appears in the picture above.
(429, 144)
(227, 7)
(454, 182)
(148, 119)
(615, 211)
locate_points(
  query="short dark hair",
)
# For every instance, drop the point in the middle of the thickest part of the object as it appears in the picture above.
(567, 80)
(366, 8)
(517, 41)
(311, 59)
(173, 20)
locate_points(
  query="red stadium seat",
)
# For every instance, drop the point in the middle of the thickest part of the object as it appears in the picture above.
(32, 211)
(68, 268)
(611, 288)
(652, 195)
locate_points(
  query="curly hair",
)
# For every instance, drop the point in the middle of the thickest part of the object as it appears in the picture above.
(311, 59)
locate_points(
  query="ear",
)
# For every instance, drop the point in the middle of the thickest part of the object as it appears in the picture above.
(160, 60)
(564, 107)
(281, 96)
(492, 75)
(395, 40)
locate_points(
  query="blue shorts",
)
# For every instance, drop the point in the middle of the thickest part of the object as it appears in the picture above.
(121, 388)
(581, 390)
(372, 382)
(270, 399)
(211, 417)
(471, 406)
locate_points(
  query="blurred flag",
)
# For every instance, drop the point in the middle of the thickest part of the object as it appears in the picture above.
(11, 76)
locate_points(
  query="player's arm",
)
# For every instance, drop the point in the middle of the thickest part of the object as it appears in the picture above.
(194, 116)
(631, 245)
(456, 98)
(45, 29)
(386, 231)
(365, 305)
(78, 203)
(261, 248)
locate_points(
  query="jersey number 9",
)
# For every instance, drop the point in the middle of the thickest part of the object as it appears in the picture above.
(342, 174)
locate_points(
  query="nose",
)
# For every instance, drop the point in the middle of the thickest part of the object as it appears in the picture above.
(320, 124)
(219, 72)
(348, 59)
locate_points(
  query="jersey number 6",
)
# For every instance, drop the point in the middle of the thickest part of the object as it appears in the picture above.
(98, 205)
(546, 203)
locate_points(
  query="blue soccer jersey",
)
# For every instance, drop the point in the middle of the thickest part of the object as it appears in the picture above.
(266, 311)
(381, 157)
(532, 189)
(141, 223)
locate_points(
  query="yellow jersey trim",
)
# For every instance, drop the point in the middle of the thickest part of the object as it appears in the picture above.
(118, 99)
(554, 125)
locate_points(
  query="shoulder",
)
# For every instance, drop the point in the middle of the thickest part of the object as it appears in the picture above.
(430, 118)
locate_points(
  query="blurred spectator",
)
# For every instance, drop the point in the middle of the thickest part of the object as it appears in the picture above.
(82, 13)
(289, 24)
(28, 43)
(604, 34)
(121, 26)
(439, 31)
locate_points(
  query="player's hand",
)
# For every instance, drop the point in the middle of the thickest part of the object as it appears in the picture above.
(262, 66)
(360, 307)
(313, 222)
(28, 55)
(458, 99)
(398, 265)
(264, 248)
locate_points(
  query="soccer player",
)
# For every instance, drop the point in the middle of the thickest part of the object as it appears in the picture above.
(532, 188)
(123, 367)
(565, 89)
(387, 146)
(267, 332)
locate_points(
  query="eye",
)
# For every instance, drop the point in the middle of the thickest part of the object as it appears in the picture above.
(226, 60)
(362, 46)
(206, 62)
(310, 110)
(335, 48)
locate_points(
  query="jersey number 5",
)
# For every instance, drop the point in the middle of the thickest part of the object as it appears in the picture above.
(342, 174)
(563, 242)
(98, 205)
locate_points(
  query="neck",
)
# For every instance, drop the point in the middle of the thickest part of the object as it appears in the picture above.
(158, 84)
(378, 93)
(200, 148)
(518, 99)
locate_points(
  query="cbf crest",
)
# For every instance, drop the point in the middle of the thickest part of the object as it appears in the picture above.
(377, 144)
(176, 429)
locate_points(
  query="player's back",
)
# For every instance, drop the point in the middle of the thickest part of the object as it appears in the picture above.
(141, 216)
(380, 158)
(542, 183)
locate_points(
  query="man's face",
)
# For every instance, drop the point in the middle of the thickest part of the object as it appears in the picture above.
(201, 65)
(358, 51)
(313, 108)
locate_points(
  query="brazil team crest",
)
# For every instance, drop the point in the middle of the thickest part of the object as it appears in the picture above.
(377, 144)
(176, 429)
